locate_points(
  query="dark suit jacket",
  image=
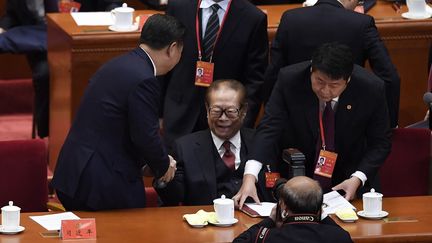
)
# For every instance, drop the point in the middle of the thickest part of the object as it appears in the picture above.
(195, 180)
(99, 5)
(326, 231)
(362, 133)
(302, 30)
(115, 132)
(241, 53)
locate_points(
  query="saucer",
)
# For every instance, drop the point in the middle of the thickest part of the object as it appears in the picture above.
(126, 29)
(409, 15)
(381, 215)
(234, 221)
(11, 231)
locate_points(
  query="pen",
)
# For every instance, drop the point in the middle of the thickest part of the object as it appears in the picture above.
(396, 6)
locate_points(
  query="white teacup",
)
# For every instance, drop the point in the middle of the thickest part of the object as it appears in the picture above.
(416, 7)
(123, 16)
(10, 216)
(372, 203)
(224, 208)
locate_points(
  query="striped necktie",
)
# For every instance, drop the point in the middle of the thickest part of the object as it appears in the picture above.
(211, 33)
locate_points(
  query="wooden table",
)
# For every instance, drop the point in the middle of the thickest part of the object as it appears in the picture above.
(166, 225)
(75, 53)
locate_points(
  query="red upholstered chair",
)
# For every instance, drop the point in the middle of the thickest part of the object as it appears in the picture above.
(151, 197)
(406, 170)
(23, 174)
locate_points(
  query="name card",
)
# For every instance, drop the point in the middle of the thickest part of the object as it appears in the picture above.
(78, 229)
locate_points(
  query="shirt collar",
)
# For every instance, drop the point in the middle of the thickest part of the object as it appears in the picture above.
(235, 140)
(207, 4)
(154, 66)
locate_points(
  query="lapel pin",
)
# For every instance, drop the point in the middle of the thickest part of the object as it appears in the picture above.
(349, 107)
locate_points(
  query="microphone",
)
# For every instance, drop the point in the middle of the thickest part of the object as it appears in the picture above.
(427, 98)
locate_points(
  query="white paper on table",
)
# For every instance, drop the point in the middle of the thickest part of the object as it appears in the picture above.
(264, 209)
(53, 221)
(93, 18)
(332, 202)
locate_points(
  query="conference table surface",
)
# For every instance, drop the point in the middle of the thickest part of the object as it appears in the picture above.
(410, 221)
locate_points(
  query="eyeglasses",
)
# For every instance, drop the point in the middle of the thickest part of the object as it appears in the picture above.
(230, 112)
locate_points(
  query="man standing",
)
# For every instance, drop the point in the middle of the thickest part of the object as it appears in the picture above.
(228, 40)
(296, 218)
(211, 162)
(329, 108)
(116, 129)
(23, 31)
(302, 30)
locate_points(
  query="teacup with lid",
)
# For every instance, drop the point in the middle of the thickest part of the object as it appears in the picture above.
(224, 208)
(123, 17)
(10, 216)
(372, 203)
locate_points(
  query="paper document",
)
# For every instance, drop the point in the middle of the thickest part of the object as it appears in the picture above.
(93, 18)
(263, 210)
(53, 221)
(334, 201)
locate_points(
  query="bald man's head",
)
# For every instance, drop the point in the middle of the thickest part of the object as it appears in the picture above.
(302, 195)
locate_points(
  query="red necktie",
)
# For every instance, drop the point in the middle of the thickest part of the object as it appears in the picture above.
(328, 118)
(228, 157)
(329, 126)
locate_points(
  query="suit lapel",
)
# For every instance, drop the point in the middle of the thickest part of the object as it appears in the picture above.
(204, 153)
(347, 106)
(232, 22)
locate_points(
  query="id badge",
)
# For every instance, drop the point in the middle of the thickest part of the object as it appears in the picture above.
(326, 163)
(204, 73)
(271, 178)
(68, 6)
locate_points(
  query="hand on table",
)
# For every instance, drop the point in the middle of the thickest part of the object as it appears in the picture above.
(247, 189)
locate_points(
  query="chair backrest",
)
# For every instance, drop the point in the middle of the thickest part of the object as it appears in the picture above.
(23, 174)
(406, 170)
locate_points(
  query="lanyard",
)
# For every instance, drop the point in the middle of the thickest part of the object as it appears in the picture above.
(321, 128)
(198, 32)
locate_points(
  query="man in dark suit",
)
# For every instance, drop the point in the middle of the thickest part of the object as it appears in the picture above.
(99, 5)
(302, 30)
(211, 162)
(116, 129)
(355, 126)
(240, 52)
(296, 218)
(23, 31)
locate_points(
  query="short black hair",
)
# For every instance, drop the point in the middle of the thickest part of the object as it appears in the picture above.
(333, 59)
(231, 84)
(160, 30)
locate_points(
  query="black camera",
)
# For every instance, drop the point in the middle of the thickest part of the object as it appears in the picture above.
(296, 162)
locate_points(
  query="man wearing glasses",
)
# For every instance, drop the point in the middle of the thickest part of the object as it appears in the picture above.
(210, 163)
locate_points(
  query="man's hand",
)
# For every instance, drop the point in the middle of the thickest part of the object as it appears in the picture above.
(350, 187)
(169, 174)
(247, 189)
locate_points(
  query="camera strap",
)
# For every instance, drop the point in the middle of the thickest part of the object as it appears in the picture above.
(301, 219)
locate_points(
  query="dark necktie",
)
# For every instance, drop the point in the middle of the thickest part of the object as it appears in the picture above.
(329, 126)
(211, 33)
(228, 157)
